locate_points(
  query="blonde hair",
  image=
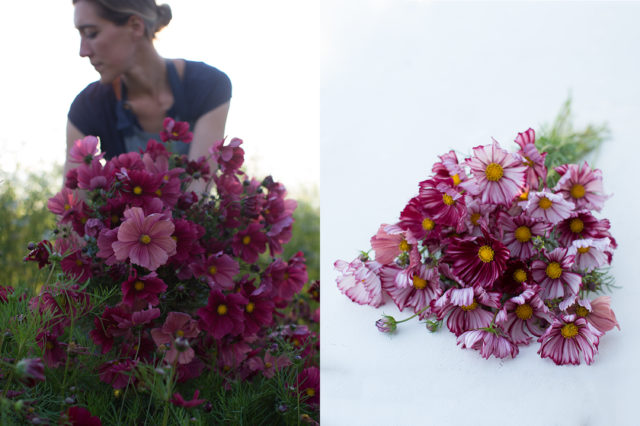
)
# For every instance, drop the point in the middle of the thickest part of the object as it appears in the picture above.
(155, 16)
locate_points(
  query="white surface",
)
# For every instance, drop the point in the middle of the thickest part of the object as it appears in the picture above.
(404, 81)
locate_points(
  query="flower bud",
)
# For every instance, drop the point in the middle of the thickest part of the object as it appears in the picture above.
(387, 324)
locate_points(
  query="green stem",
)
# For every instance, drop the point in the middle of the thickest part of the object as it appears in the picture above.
(414, 315)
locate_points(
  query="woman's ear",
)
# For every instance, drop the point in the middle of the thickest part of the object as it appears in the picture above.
(136, 25)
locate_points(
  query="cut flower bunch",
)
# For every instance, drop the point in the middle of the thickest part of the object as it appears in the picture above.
(161, 293)
(503, 248)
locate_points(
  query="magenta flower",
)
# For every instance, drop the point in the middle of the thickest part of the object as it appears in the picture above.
(250, 243)
(64, 203)
(186, 235)
(518, 233)
(146, 241)
(118, 373)
(218, 270)
(415, 287)
(465, 307)
(175, 131)
(139, 187)
(547, 206)
(488, 343)
(533, 159)
(581, 185)
(309, 385)
(80, 416)
(567, 338)
(523, 315)
(77, 266)
(443, 204)
(138, 292)
(106, 238)
(84, 150)
(360, 282)
(272, 364)
(388, 243)
(179, 401)
(554, 273)
(230, 157)
(224, 314)
(500, 174)
(177, 326)
(477, 260)
(106, 327)
(415, 220)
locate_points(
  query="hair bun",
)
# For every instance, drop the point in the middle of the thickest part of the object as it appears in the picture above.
(164, 16)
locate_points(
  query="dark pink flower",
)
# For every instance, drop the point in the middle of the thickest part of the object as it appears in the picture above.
(175, 131)
(106, 327)
(40, 253)
(518, 233)
(415, 287)
(488, 343)
(106, 238)
(477, 260)
(179, 401)
(64, 203)
(443, 204)
(258, 313)
(581, 185)
(54, 352)
(139, 186)
(567, 338)
(417, 222)
(138, 292)
(77, 266)
(224, 314)
(30, 371)
(465, 308)
(230, 157)
(95, 175)
(309, 385)
(118, 373)
(533, 159)
(146, 241)
(178, 325)
(218, 270)
(250, 243)
(554, 274)
(583, 225)
(80, 416)
(524, 315)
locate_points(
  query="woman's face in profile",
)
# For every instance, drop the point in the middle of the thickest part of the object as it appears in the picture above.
(110, 48)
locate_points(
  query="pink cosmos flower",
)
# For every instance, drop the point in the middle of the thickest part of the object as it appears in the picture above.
(465, 308)
(218, 270)
(106, 238)
(80, 416)
(85, 150)
(513, 278)
(64, 203)
(360, 282)
(414, 287)
(230, 157)
(272, 364)
(309, 385)
(388, 243)
(146, 241)
(187, 235)
(449, 171)
(581, 185)
(567, 338)
(488, 343)
(477, 260)
(95, 175)
(250, 243)
(106, 327)
(224, 314)
(523, 315)
(518, 233)
(179, 401)
(533, 159)
(581, 225)
(175, 131)
(443, 204)
(597, 312)
(177, 326)
(417, 223)
(118, 373)
(499, 174)
(258, 312)
(545, 205)
(30, 371)
(590, 253)
(138, 292)
(77, 266)
(554, 273)
(478, 215)
(139, 187)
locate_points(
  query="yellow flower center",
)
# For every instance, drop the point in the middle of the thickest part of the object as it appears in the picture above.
(246, 240)
(448, 199)
(528, 161)
(78, 262)
(114, 218)
(475, 218)
(268, 365)
(470, 307)
(544, 203)
(583, 250)
(524, 196)
(569, 331)
(427, 224)
(524, 311)
(554, 270)
(222, 310)
(139, 286)
(67, 206)
(520, 275)
(581, 311)
(577, 191)
(145, 239)
(576, 225)
(419, 283)
(494, 172)
(175, 134)
(250, 307)
(310, 392)
(49, 345)
(180, 333)
(456, 179)
(485, 254)
(117, 393)
(404, 245)
(523, 234)
(137, 190)
(212, 270)
(158, 192)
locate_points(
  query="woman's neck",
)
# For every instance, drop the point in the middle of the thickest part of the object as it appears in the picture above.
(148, 75)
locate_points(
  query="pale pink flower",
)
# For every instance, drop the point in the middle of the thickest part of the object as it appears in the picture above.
(413, 287)
(488, 343)
(388, 243)
(597, 312)
(176, 329)
(547, 206)
(145, 240)
(567, 337)
(465, 307)
(590, 253)
(554, 274)
(500, 174)
(518, 233)
(84, 150)
(524, 315)
(532, 158)
(360, 281)
(581, 185)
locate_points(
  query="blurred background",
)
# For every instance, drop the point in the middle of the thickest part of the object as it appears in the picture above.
(404, 81)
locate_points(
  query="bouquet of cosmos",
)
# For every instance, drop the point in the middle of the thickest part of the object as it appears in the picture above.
(501, 249)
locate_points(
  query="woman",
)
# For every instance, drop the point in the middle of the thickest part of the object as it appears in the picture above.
(137, 87)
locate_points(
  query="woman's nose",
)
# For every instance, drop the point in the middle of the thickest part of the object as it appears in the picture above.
(85, 48)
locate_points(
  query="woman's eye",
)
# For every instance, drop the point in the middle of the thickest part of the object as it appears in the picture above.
(92, 34)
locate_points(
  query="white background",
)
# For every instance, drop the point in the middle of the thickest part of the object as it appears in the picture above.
(404, 81)
(269, 49)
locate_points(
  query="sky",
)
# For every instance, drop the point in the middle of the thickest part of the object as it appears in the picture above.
(268, 49)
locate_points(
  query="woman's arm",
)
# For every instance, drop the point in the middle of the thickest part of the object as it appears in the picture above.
(208, 129)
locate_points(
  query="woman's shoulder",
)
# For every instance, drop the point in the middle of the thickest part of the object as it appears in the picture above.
(95, 91)
(205, 87)
(203, 71)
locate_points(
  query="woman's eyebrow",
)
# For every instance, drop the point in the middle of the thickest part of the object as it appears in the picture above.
(86, 26)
